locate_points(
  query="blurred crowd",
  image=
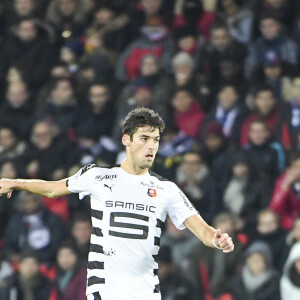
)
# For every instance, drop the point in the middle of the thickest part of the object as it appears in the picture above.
(225, 77)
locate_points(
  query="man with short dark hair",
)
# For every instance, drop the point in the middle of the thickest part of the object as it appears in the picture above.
(129, 204)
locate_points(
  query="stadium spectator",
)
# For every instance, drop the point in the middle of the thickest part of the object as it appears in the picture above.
(285, 200)
(294, 235)
(267, 108)
(273, 38)
(194, 178)
(269, 231)
(173, 286)
(28, 283)
(258, 279)
(34, 227)
(289, 283)
(187, 114)
(239, 19)
(17, 110)
(71, 274)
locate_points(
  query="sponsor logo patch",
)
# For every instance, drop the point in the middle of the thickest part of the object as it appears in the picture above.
(151, 193)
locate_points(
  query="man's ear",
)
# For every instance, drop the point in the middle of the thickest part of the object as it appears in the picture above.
(125, 140)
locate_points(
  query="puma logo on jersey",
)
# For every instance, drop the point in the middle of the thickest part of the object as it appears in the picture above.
(107, 186)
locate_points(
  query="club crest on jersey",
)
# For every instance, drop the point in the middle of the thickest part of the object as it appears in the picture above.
(151, 193)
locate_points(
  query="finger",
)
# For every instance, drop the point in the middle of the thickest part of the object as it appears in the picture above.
(224, 243)
(217, 234)
(9, 194)
(224, 237)
(230, 249)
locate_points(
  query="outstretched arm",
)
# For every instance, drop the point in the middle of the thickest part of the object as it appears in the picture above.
(50, 189)
(208, 235)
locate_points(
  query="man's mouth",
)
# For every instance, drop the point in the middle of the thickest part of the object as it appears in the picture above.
(149, 155)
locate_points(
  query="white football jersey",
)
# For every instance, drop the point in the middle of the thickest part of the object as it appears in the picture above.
(127, 214)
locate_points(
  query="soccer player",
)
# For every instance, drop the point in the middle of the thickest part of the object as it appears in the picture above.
(129, 204)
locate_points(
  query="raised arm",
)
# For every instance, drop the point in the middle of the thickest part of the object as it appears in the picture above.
(50, 189)
(208, 235)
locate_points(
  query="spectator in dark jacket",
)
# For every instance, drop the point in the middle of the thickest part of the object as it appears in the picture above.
(273, 38)
(266, 156)
(71, 274)
(267, 108)
(268, 229)
(289, 283)
(33, 227)
(194, 177)
(173, 285)
(258, 279)
(28, 283)
(30, 50)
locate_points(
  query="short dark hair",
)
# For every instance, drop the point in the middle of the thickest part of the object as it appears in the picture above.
(264, 88)
(141, 117)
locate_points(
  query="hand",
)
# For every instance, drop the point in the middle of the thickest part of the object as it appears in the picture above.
(6, 187)
(223, 241)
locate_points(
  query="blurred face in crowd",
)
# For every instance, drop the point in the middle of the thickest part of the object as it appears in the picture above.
(24, 7)
(67, 7)
(66, 258)
(259, 133)
(29, 267)
(42, 135)
(142, 96)
(273, 72)
(183, 73)
(256, 263)
(265, 102)
(230, 6)
(213, 142)
(267, 222)
(151, 7)
(60, 71)
(186, 43)
(220, 39)
(191, 164)
(17, 94)
(82, 231)
(269, 28)
(103, 15)
(182, 101)
(296, 229)
(62, 92)
(275, 3)
(149, 66)
(7, 139)
(98, 97)
(240, 170)
(228, 97)
(8, 170)
(27, 31)
(32, 203)
(296, 89)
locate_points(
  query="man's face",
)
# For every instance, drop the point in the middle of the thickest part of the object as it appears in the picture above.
(17, 95)
(82, 231)
(66, 259)
(98, 95)
(182, 101)
(62, 93)
(67, 7)
(270, 29)
(143, 146)
(24, 7)
(29, 267)
(228, 97)
(191, 164)
(267, 223)
(265, 102)
(258, 133)
(27, 31)
(149, 66)
(220, 39)
(151, 7)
